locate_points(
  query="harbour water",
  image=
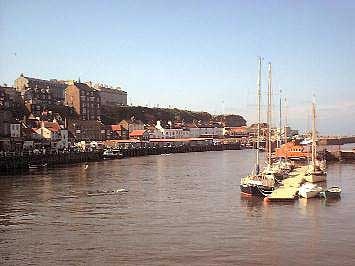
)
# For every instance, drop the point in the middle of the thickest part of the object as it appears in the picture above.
(181, 209)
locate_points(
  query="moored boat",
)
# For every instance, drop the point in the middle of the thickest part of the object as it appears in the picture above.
(258, 184)
(112, 154)
(309, 190)
(37, 166)
(316, 170)
(332, 192)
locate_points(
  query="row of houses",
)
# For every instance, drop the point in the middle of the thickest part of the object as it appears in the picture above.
(87, 98)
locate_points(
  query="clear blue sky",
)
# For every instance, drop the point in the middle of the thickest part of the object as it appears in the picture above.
(199, 55)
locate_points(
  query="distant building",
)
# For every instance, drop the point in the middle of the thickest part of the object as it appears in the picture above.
(86, 130)
(131, 125)
(37, 101)
(111, 97)
(10, 99)
(55, 88)
(211, 131)
(6, 118)
(236, 132)
(85, 101)
(115, 132)
(139, 134)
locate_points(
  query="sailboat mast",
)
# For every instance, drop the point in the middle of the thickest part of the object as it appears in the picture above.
(314, 137)
(269, 114)
(258, 104)
(285, 126)
(280, 121)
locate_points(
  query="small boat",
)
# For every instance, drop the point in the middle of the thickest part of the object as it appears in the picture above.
(309, 190)
(37, 166)
(332, 192)
(112, 154)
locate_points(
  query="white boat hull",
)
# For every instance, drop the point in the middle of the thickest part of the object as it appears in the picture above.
(309, 194)
(309, 190)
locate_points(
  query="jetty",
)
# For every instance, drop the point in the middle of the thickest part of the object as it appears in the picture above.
(290, 186)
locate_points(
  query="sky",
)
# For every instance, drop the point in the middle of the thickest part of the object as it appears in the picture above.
(196, 55)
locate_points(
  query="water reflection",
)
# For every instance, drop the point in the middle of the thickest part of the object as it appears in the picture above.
(181, 209)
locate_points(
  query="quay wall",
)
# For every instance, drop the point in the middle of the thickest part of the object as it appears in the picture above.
(20, 162)
(336, 140)
(340, 155)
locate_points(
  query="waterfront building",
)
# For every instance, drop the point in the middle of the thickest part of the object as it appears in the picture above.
(154, 133)
(212, 131)
(110, 96)
(49, 130)
(172, 132)
(236, 132)
(139, 134)
(115, 132)
(84, 99)
(86, 130)
(132, 125)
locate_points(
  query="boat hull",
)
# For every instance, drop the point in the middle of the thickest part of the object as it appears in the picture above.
(315, 178)
(331, 193)
(309, 194)
(255, 190)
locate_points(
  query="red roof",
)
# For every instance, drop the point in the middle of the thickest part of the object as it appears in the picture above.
(238, 129)
(137, 133)
(115, 127)
(52, 126)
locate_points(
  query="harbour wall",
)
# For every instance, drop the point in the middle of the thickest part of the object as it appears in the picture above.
(20, 162)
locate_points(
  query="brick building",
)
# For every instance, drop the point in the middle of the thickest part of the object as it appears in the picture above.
(84, 99)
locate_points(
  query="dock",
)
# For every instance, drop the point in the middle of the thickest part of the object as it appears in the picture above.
(290, 186)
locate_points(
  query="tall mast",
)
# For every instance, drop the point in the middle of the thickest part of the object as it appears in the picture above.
(258, 104)
(285, 126)
(280, 121)
(269, 114)
(314, 134)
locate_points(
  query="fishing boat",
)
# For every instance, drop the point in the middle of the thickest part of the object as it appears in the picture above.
(309, 190)
(332, 192)
(315, 172)
(258, 183)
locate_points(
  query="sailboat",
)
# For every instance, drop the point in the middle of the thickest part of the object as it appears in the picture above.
(257, 183)
(315, 172)
(282, 167)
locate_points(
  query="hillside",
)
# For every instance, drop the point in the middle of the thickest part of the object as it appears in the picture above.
(112, 115)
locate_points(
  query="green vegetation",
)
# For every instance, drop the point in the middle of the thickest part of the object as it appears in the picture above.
(113, 115)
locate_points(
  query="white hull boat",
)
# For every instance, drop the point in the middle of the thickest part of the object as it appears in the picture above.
(309, 190)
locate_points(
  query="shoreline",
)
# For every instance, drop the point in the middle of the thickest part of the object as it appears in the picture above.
(20, 163)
